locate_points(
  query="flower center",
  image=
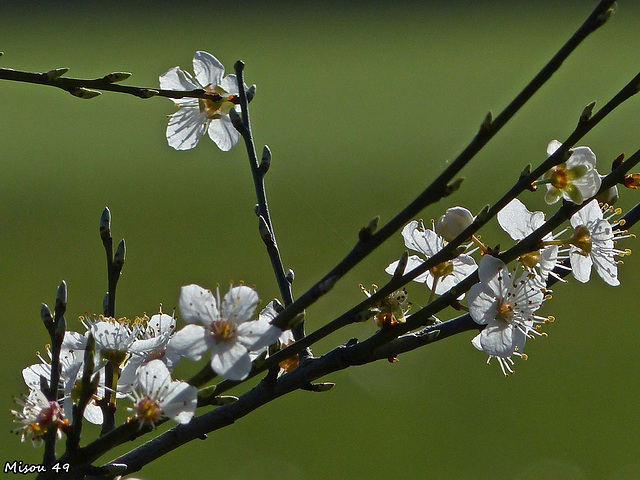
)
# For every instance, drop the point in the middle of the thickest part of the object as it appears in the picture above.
(223, 330)
(148, 411)
(531, 259)
(442, 269)
(505, 311)
(558, 176)
(582, 239)
(215, 109)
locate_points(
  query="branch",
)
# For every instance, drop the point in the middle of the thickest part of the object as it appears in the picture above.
(90, 88)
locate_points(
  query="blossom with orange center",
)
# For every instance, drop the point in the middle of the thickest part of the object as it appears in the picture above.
(505, 305)
(574, 180)
(440, 278)
(194, 115)
(158, 396)
(593, 245)
(37, 416)
(225, 327)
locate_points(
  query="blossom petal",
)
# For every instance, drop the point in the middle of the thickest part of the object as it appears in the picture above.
(588, 214)
(231, 360)
(257, 334)
(589, 183)
(190, 342)
(607, 268)
(180, 401)
(162, 323)
(422, 240)
(483, 308)
(413, 261)
(176, 79)
(582, 156)
(517, 220)
(492, 272)
(223, 133)
(580, 265)
(153, 377)
(93, 414)
(230, 84)
(198, 304)
(185, 128)
(239, 304)
(208, 69)
(32, 374)
(501, 340)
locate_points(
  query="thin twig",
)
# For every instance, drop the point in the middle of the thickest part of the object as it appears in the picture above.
(75, 85)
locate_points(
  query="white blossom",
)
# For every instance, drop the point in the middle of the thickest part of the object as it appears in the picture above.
(224, 327)
(71, 366)
(151, 343)
(506, 305)
(519, 222)
(574, 180)
(158, 396)
(37, 416)
(592, 245)
(195, 115)
(427, 242)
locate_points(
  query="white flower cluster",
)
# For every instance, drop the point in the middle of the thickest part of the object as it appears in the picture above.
(504, 302)
(142, 353)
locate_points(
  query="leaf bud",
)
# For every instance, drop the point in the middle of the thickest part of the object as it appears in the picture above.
(237, 121)
(116, 77)
(84, 93)
(366, 232)
(56, 73)
(587, 112)
(46, 316)
(290, 276)
(121, 251)
(265, 163)
(61, 298)
(105, 223)
(251, 92)
(402, 265)
(148, 92)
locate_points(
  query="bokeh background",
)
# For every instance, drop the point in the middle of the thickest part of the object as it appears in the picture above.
(362, 105)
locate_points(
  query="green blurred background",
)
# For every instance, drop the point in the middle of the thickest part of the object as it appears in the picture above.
(362, 105)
